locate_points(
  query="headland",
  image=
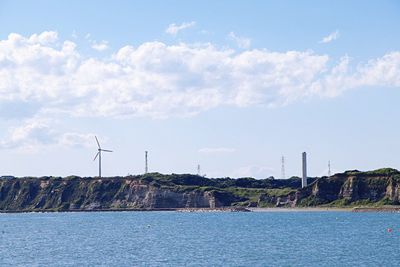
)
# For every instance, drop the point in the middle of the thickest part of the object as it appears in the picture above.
(377, 190)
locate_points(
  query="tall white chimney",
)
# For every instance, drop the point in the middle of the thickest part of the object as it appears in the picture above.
(304, 178)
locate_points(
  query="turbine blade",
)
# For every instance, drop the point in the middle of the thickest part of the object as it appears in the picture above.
(98, 144)
(96, 156)
(105, 150)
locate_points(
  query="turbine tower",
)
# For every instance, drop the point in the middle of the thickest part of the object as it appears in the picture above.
(283, 168)
(198, 169)
(99, 150)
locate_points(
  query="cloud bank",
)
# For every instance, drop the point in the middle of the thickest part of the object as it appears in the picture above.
(159, 81)
(42, 77)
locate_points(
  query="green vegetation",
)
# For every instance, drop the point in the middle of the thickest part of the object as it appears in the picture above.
(280, 192)
(195, 180)
(383, 172)
(345, 202)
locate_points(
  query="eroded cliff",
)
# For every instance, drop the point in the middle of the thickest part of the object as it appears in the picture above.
(36, 194)
(157, 191)
(379, 187)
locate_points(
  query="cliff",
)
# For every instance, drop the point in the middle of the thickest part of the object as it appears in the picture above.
(63, 194)
(352, 188)
(157, 191)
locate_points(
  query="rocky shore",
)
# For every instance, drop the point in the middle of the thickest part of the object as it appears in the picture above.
(376, 209)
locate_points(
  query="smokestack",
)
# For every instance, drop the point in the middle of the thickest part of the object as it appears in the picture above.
(146, 167)
(304, 178)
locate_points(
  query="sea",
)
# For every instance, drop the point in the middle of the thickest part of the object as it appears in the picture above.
(326, 238)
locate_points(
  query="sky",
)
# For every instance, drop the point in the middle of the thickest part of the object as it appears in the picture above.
(230, 85)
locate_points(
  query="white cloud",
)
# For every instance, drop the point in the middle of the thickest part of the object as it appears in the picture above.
(173, 28)
(380, 72)
(36, 133)
(76, 139)
(255, 171)
(216, 150)
(44, 38)
(33, 133)
(96, 45)
(331, 37)
(384, 71)
(158, 80)
(100, 46)
(74, 34)
(241, 42)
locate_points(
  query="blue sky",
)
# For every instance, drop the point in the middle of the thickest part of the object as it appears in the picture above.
(232, 86)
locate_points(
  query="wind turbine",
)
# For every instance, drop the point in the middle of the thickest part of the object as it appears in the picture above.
(99, 150)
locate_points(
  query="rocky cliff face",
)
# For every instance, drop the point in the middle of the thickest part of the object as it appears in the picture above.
(106, 193)
(375, 187)
(393, 190)
(157, 191)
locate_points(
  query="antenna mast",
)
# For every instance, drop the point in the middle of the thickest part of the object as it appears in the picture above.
(198, 169)
(283, 168)
(146, 166)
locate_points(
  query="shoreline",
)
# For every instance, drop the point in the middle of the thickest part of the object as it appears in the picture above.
(224, 209)
(221, 209)
(301, 209)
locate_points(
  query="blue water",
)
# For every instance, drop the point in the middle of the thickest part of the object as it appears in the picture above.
(200, 239)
